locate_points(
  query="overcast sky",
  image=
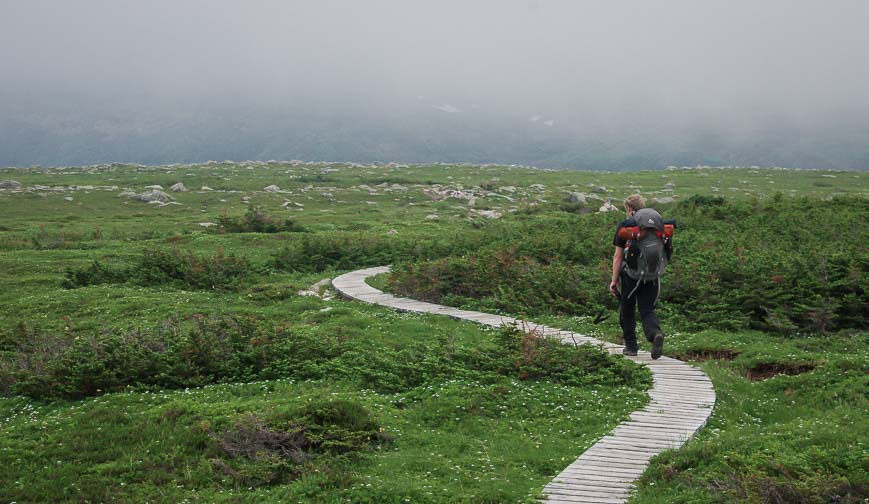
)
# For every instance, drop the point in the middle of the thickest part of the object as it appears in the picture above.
(690, 62)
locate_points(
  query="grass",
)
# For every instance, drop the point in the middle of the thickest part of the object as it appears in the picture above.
(469, 435)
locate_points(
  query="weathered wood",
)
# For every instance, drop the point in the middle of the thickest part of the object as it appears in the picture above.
(682, 398)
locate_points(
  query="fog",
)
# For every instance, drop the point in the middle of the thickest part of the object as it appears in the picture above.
(532, 81)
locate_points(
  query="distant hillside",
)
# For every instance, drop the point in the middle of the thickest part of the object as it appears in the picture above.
(415, 133)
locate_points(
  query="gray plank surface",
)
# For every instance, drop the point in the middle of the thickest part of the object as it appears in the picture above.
(682, 399)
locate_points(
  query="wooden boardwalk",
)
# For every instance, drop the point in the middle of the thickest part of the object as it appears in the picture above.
(682, 398)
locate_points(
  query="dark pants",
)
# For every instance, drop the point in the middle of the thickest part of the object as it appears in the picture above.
(646, 297)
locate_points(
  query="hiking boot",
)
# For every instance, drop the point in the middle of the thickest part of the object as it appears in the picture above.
(628, 352)
(657, 345)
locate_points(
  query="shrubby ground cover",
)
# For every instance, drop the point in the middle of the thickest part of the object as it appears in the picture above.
(146, 357)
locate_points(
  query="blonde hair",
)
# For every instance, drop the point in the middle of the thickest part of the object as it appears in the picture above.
(635, 202)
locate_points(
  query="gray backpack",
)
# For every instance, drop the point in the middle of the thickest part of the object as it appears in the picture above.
(646, 258)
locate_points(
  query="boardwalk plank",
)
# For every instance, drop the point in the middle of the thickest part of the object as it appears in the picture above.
(682, 396)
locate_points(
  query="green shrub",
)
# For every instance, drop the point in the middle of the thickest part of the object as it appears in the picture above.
(95, 274)
(173, 267)
(255, 221)
(342, 251)
(261, 452)
(787, 266)
(204, 350)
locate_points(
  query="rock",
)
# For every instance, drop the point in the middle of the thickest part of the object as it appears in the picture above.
(599, 189)
(127, 193)
(208, 224)
(489, 214)
(392, 232)
(327, 195)
(319, 289)
(576, 197)
(663, 200)
(205, 188)
(507, 189)
(179, 187)
(152, 196)
(10, 184)
(669, 185)
(156, 187)
(271, 188)
(432, 217)
(398, 187)
(67, 198)
(608, 207)
(537, 187)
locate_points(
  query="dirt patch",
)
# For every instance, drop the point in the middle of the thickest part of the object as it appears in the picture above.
(705, 355)
(764, 370)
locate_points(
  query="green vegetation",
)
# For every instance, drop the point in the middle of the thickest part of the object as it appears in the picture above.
(156, 352)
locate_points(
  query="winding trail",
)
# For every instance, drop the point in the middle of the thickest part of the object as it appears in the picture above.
(682, 398)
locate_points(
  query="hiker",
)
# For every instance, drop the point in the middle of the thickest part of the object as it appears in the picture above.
(638, 263)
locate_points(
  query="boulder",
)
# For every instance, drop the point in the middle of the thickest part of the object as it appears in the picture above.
(608, 207)
(489, 214)
(576, 197)
(10, 184)
(152, 196)
(179, 187)
(319, 289)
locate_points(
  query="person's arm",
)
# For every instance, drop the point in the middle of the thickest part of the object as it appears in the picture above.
(618, 257)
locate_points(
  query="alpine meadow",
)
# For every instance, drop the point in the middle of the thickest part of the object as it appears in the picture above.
(169, 333)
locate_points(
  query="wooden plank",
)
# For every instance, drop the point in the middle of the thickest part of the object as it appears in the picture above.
(682, 401)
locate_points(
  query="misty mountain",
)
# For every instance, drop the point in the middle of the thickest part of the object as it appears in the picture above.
(419, 130)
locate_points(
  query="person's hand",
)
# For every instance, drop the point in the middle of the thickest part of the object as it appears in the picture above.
(614, 289)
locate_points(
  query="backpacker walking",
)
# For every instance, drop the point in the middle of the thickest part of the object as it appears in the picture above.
(642, 248)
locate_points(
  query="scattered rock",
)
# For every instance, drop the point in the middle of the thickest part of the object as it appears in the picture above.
(10, 184)
(576, 197)
(152, 196)
(271, 188)
(608, 207)
(663, 200)
(489, 214)
(507, 189)
(179, 187)
(127, 193)
(155, 187)
(319, 289)
(537, 187)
